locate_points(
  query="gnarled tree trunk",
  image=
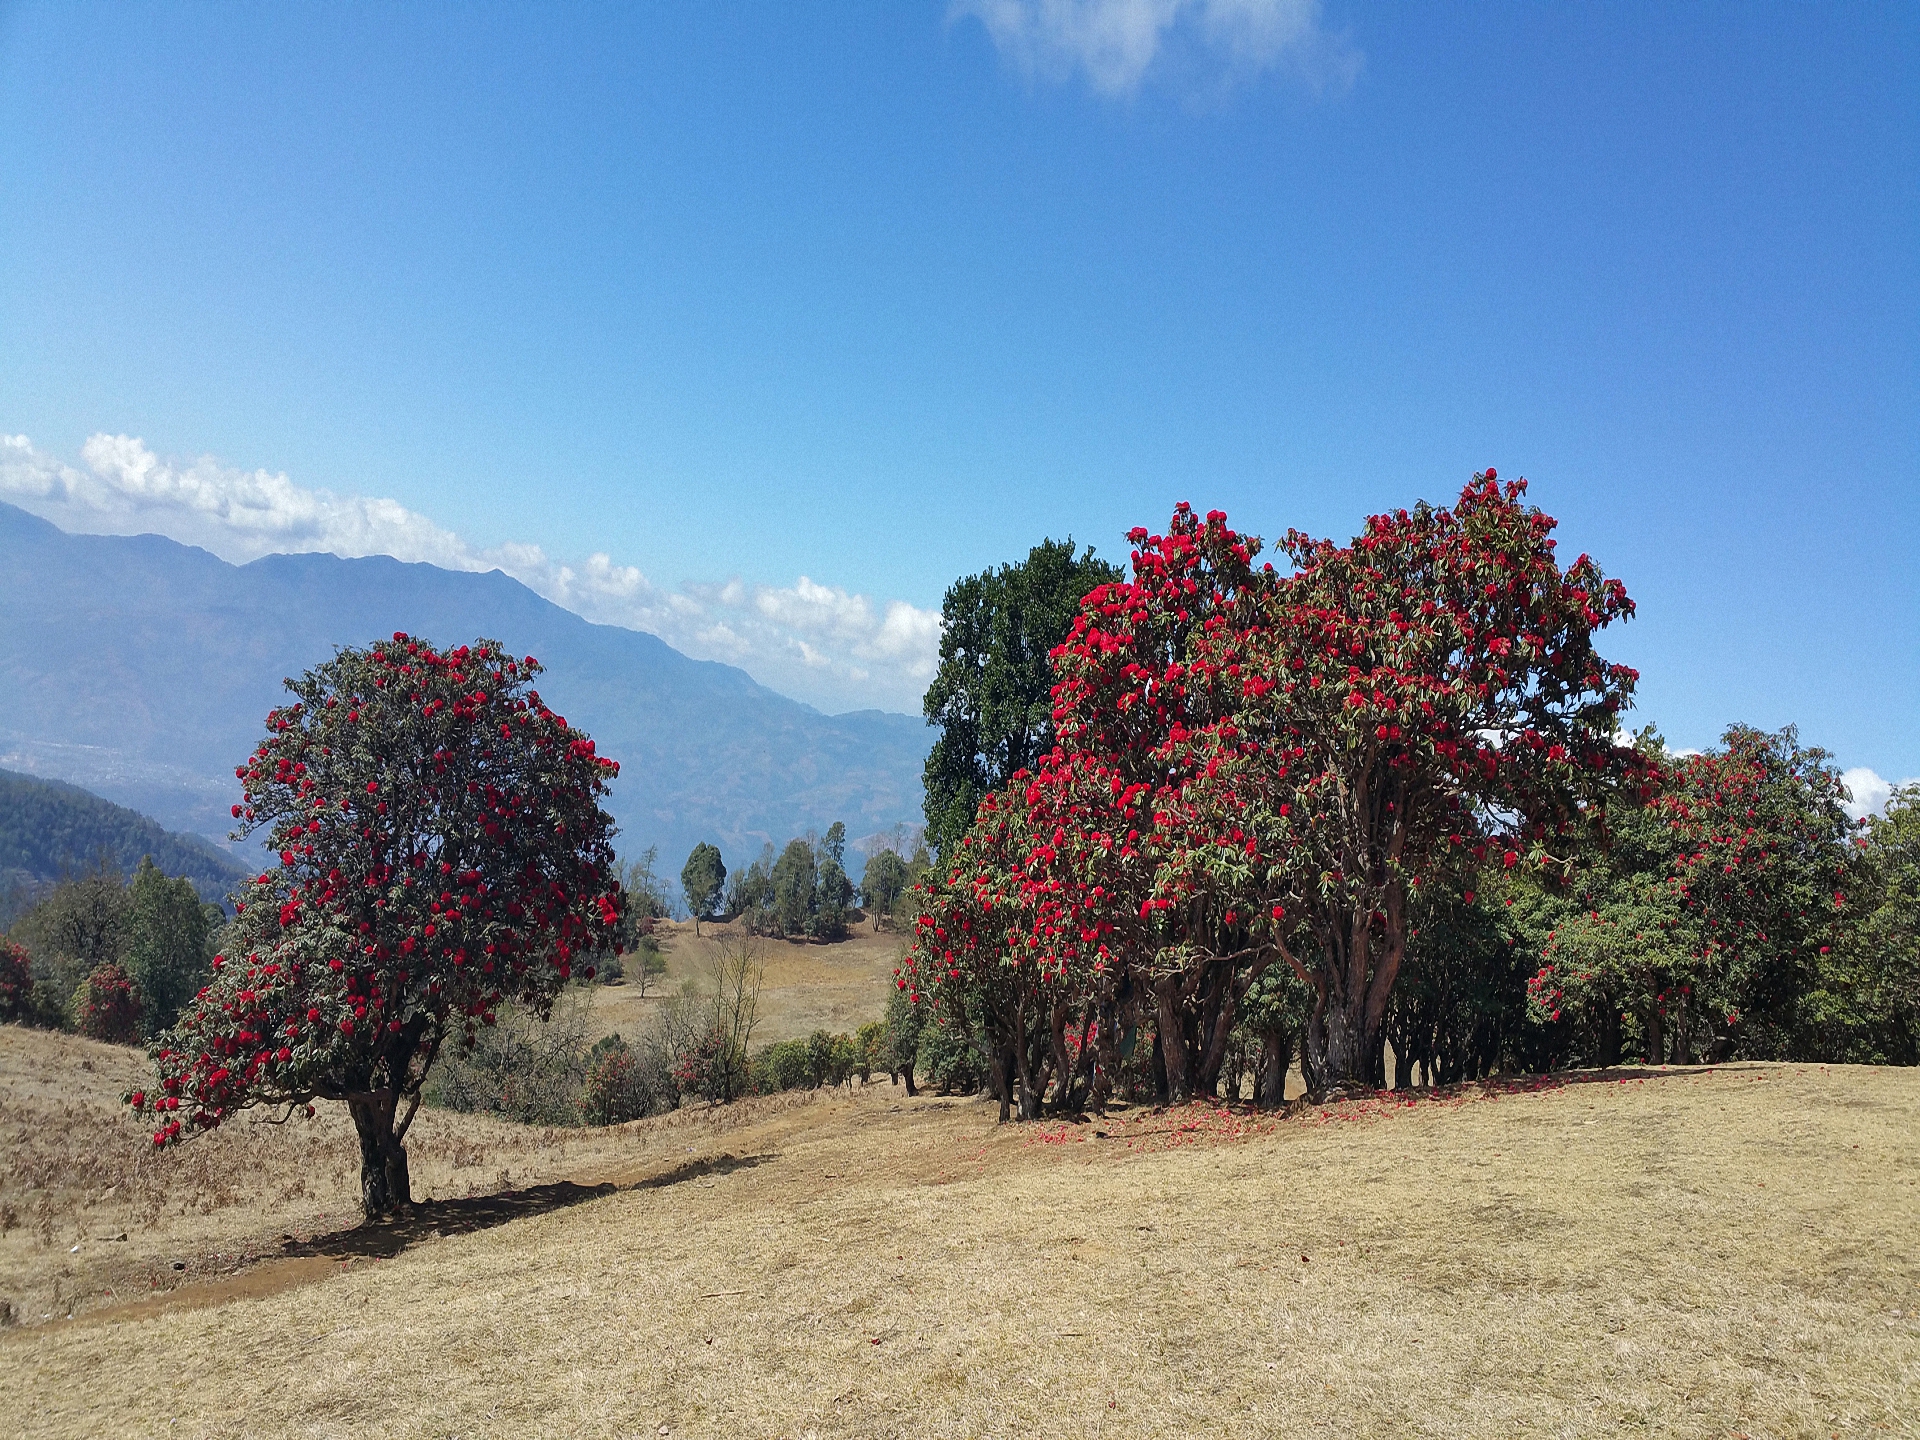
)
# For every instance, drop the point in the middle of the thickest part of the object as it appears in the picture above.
(385, 1188)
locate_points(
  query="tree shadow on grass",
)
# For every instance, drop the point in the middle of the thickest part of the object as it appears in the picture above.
(436, 1219)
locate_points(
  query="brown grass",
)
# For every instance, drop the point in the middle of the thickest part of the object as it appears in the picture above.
(808, 986)
(1725, 1252)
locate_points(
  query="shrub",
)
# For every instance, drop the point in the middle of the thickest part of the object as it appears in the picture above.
(712, 1066)
(781, 1066)
(16, 984)
(869, 1049)
(107, 1006)
(613, 1090)
(521, 1067)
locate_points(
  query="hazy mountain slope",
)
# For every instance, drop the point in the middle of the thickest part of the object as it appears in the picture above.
(142, 669)
(48, 827)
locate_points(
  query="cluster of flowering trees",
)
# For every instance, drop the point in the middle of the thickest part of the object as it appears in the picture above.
(442, 850)
(1255, 770)
(1714, 917)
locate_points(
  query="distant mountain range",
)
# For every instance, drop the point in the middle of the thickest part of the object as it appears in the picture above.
(143, 670)
(49, 829)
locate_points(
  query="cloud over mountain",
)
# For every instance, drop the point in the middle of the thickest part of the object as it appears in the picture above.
(831, 647)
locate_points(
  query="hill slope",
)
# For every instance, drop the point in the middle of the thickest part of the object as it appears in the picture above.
(1657, 1253)
(143, 668)
(48, 828)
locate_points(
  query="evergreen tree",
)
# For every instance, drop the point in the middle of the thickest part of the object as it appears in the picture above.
(992, 697)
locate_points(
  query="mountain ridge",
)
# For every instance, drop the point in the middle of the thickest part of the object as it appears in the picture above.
(49, 828)
(142, 669)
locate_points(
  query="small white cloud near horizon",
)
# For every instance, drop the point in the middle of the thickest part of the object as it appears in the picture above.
(1870, 793)
(1118, 44)
(819, 643)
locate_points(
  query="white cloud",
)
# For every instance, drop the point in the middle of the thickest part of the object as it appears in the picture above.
(823, 644)
(1870, 792)
(1117, 44)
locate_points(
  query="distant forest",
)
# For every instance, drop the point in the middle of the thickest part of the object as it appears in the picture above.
(49, 829)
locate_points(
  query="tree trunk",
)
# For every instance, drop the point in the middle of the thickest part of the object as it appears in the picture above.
(1610, 1037)
(1308, 1074)
(1344, 1051)
(384, 1185)
(1002, 1073)
(1656, 1037)
(1173, 1046)
(1271, 1085)
(1402, 1070)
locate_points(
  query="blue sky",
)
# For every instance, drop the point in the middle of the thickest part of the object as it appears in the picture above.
(791, 314)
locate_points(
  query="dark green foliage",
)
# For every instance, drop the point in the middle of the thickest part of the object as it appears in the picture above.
(992, 697)
(1266, 1034)
(884, 881)
(49, 829)
(898, 1052)
(804, 893)
(1863, 1005)
(869, 1048)
(750, 895)
(952, 1048)
(1459, 1008)
(829, 1058)
(832, 898)
(170, 933)
(794, 877)
(626, 1082)
(1703, 928)
(703, 879)
(821, 1059)
(783, 1065)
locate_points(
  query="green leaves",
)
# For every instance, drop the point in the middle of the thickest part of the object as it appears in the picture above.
(992, 696)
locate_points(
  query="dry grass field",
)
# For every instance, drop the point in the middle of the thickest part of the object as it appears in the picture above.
(1733, 1252)
(808, 987)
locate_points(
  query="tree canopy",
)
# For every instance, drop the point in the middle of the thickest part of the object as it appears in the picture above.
(1254, 768)
(442, 850)
(991, 695)
(703, 879)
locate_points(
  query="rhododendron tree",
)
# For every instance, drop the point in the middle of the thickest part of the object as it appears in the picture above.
(1431, 700)
(107, 1005)
(979, 946)
(1157, 884)
(16, 982)
(442, 851)
(1705, 920)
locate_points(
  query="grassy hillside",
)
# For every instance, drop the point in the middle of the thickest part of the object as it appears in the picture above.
(1667, 1252)
(807, 986)
(48, 828)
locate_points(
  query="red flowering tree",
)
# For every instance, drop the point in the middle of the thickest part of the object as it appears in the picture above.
(16, 982)
(1712, 921)
(1152, 880)
(107, 1006)
(1429, 696)
(1253, 768)
(442, 850)
(1115, 892)
(986, 948)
